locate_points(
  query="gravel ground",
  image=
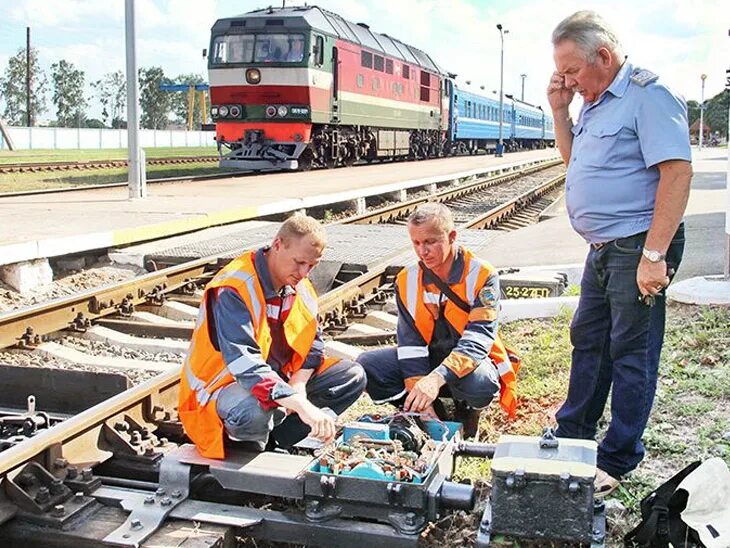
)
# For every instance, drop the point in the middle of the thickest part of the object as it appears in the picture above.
(30, 359)
(98, 348)
(100, 274)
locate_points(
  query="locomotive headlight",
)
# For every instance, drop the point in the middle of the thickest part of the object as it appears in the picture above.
(253, 76)
(223, 111)
(270, 111)
(235, 111)
(282, 111)
(214, 111)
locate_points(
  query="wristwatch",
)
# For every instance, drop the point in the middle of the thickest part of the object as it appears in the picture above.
(653, 256)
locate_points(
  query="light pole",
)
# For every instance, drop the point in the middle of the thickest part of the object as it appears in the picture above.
(523, 76)
(500, 145)
(702, 110)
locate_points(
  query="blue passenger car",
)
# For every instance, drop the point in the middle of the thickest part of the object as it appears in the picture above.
(474, 123)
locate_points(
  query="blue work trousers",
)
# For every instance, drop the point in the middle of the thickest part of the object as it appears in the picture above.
(385, 380)
(336, 388)
(617, 340)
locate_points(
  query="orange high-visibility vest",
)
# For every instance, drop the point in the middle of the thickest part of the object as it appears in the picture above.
(417, 301)
(204, 371)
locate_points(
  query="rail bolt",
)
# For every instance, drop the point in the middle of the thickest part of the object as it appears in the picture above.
(43, 495)
(79, 497)
(160, 492)
(56, 487)
(136, 524)
(25, 480)
(410, 519)
(58, 511)
(149, 499)
(72, 472)
(87, 474)
(166, 501)
(60, 462)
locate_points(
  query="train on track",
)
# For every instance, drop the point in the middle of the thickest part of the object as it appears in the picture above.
(301, 87)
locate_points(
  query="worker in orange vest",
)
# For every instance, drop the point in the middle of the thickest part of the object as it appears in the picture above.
(256, 369)
(448, 342)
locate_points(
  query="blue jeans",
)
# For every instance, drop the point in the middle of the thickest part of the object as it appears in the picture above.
(617, 341)
(385, 380)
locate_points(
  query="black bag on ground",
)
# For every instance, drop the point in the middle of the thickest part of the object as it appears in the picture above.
(661, 522)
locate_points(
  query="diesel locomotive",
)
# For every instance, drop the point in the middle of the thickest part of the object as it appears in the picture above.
(297, 87)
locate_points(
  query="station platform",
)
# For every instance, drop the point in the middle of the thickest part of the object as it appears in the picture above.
(47, 225)
(548, 246)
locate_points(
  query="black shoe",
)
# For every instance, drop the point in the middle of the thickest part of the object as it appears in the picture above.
(440, 410)
(468, 417)
(244, 445)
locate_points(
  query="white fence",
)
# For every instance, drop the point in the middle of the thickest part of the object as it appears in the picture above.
(25, 138)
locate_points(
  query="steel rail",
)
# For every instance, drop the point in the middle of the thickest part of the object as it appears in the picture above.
(33, 167)
(26, 327)
(398, 210)
(501, 212)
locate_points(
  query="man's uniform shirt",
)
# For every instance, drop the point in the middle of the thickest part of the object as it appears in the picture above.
(618, 141)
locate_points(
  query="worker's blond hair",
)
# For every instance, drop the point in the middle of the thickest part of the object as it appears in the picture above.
(433, 212)
(298, 226)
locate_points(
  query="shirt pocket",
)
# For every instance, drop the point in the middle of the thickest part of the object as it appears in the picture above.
(605, 144)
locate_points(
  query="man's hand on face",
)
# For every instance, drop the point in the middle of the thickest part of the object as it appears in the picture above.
(424, 392)
(558, 95)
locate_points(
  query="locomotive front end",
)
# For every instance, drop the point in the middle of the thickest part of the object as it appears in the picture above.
(264, 86)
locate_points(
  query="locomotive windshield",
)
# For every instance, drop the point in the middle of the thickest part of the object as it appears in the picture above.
(258, 48)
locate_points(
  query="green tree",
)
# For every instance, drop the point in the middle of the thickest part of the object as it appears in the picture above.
(154, 102)
(693, 112)
(68, 93)
(111, 91)
(13, 89)
(716, 111)
(179, 100)
(94, 123)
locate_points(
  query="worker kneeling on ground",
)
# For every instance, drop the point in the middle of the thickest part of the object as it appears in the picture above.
(448, 343)
(256, 368)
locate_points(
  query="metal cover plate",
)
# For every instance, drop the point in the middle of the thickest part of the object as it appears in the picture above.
(264, 473)
(578, 457)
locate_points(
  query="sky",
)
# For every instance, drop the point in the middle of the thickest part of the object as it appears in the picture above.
(676, 39)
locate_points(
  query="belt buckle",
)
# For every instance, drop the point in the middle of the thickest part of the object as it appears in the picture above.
(598, 246)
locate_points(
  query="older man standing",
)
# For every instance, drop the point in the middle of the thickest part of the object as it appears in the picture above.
(628, 179)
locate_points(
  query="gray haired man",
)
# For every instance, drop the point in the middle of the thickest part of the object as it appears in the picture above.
(629, 173)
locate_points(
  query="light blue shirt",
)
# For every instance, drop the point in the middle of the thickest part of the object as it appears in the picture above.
(617, 143)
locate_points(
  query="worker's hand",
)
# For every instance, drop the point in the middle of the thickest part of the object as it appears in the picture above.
(651, 278)
(559, 96)
(424, 392)
(322, 425)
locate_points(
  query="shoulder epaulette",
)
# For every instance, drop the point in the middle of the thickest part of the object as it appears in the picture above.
(643, 77)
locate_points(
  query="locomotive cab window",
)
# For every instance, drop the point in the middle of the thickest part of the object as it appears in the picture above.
(366, 59)
(319, 51)
(277, 48)
(235, 48)
(259, 48)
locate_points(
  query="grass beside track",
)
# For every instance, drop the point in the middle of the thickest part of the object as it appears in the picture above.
(20, 182)
(85, 155)
(691, 415)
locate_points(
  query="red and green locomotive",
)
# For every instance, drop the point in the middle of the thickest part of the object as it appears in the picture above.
(297, 87)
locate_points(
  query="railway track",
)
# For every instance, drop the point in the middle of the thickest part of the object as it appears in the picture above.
(59, 465)
(35, 167)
